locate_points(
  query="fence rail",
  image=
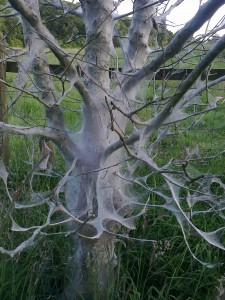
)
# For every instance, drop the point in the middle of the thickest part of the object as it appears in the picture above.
(12, 67)
(168, 73)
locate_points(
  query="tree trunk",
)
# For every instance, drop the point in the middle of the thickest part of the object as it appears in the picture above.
(4, 147)
(93, 262)
(92, 269)
(93, 192)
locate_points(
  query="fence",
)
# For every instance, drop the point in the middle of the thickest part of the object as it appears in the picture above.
(170, 74)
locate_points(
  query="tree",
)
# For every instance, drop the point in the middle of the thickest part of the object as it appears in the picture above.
(10, 27)
(64, 26)
(104, 158)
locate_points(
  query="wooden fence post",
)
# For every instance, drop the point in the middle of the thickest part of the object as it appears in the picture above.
(4, 146)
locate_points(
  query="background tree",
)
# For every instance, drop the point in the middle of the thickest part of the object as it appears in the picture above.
(105, 159)
(10, 27)
(67, 28)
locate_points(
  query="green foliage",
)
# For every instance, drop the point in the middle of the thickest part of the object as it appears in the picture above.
(67, 28)
(122, 27)
(165, 269)
(36, 273)
(11, 29)
(163, 36)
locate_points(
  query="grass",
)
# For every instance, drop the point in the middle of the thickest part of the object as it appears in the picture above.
(79, 54)
(162, 270)
(187, 59)
(166, 270)
(35, 273)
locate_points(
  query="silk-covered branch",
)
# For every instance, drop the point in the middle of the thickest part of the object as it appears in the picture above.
(205, 12)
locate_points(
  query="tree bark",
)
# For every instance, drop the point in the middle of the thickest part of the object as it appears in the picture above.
(91, 269)
(4, 146)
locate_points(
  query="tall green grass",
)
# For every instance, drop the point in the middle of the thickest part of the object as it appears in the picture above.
(161, 270)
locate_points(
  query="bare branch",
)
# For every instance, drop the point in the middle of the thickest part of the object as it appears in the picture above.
(22, 130)
(193, 93)
(139, 9)
(186, 84)
(205, 12)
(66, 9)
(5, 7)
(23, 91)
(12, 14)
(168, 11)
(137, 49)
(34, 20)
